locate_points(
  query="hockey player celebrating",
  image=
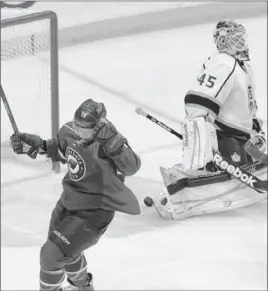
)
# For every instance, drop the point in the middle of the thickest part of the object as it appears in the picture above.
(220, 112)
(98, 158)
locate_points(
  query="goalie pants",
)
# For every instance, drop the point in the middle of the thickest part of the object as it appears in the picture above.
(232, 148)
(70, 233)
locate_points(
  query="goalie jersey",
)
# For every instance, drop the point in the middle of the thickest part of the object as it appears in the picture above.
(224, 93)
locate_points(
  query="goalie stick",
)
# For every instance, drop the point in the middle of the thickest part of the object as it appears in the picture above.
(236, 172)
(140, 111)
(32, 151)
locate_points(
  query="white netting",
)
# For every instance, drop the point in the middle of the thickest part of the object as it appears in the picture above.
(25, 75)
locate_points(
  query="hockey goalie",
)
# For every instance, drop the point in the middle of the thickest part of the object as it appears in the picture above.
(220, 118)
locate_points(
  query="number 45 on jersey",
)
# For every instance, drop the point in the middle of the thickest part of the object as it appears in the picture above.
(206, 80)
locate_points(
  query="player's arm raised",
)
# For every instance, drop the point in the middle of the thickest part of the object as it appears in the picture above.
(53, 148)
(116, 148)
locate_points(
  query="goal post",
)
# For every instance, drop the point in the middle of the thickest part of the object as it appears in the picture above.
(30, 74)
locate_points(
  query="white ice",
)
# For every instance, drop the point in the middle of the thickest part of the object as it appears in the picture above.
(221, 251)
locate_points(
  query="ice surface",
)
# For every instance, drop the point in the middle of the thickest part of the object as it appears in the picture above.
(220, 251)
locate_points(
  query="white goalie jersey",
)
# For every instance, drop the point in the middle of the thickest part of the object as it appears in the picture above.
(224, 93)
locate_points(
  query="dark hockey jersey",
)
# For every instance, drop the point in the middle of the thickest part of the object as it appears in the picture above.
(94, 180)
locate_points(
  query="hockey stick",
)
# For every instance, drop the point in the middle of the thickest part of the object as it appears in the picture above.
(32, 153)
(140, 111)
(240, 174)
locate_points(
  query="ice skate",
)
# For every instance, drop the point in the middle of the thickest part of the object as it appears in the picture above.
(73, 287)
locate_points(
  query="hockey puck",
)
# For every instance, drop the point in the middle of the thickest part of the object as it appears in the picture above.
(148, 201)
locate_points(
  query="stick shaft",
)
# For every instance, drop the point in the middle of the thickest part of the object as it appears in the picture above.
(159, 123)
(32, 152)
(8, 110)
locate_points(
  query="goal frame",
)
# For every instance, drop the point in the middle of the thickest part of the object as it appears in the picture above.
(54, 62)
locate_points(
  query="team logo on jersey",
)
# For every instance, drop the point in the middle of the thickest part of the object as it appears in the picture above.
(236, 158)
(76, 165)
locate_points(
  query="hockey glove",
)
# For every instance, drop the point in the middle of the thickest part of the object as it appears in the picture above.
(16, 144)
(109, 138)
(259, 140)
(19, 140)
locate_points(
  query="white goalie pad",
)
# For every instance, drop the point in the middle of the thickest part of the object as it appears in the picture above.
(199, 143)
(210, 198)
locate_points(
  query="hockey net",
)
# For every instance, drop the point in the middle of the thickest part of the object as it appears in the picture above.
(29, 73)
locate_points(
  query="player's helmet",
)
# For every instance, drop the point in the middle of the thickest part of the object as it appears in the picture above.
(89, 113)
(231, 38)
(86, 117)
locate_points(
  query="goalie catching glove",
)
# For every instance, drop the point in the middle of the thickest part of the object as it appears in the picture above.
(259, 140)
(258, 135)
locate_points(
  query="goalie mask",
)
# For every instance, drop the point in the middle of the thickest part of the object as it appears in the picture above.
(86, 117)
(231, 38)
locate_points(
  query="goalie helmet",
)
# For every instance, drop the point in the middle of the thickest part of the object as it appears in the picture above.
(231, 38)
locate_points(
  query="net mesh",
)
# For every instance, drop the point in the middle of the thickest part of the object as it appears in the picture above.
(25, 75)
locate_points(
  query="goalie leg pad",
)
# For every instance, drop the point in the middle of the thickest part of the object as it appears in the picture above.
(199, 143)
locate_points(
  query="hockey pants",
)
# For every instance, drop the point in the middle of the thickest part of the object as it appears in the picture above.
(232, 148)
(70, 233)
